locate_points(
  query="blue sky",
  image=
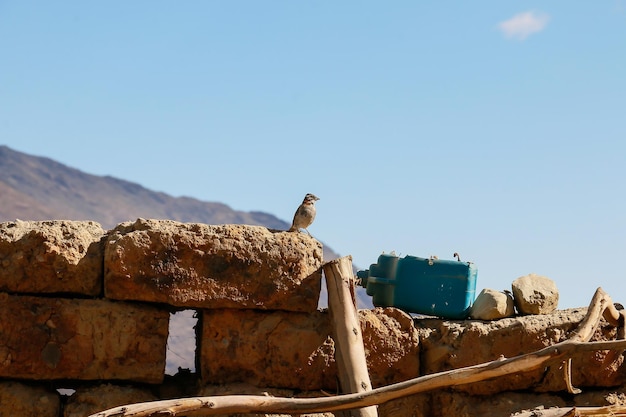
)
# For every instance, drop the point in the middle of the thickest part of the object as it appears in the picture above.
(493, 129)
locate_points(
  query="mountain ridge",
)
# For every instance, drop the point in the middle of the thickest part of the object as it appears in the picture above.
(65, 192)
(40, 188)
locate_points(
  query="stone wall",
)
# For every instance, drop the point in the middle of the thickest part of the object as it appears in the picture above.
(87, 310)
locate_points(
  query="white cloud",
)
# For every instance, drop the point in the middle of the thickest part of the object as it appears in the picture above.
(524, 24)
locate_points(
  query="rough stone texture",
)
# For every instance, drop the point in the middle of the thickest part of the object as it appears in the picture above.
(280, 349)
(447, 345)
(18, 399)
(296, 351)
(412, 406)
(445, 404)
(51, 257)
(87, 401)
(46, 338)
(391, 345)
(600, 398)
(535, 294)
(207, 266)
(492, 305)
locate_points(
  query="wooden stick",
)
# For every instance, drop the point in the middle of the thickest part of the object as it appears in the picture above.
(611, 410)
(349, 349)
(205, 406)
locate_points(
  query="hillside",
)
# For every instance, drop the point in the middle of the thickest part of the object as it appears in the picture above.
(38, 188)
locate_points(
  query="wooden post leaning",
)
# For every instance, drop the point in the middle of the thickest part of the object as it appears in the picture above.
(349, 350)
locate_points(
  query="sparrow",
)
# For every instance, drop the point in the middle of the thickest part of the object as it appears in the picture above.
(305, 214)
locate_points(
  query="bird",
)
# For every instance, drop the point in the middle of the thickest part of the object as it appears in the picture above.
(305, 214)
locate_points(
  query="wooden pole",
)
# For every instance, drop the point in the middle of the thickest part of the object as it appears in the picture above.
(349, 350)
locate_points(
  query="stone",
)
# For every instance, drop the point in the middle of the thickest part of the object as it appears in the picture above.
(296, 351)
(456, 404)
(90, 400)
(47, 339)
(391, 345)
(492, 305)
(51, 257)
(209, 266)
(278, 349)
(535, 294)
(18, 399)
(447, 345)
(416, 405)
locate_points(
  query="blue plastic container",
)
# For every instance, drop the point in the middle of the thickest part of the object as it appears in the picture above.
(421, 285)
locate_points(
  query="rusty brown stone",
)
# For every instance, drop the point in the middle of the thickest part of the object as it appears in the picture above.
(447, 345)
(278, 349)
(391, 345)
(51, 257)
(295, 350)
(47, 338)
(208, 266)
(445, 403)
(417, 405)
(18, 399)
(90, 400)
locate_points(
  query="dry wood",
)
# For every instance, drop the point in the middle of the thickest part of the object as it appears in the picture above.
(350, 352)
(612, 410)
(204, 406)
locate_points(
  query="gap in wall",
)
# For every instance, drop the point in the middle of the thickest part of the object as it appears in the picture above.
(181, 342)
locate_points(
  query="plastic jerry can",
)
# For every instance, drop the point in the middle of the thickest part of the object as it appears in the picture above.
(421, 285)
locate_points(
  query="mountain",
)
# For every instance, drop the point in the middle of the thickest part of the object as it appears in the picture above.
(38, 188)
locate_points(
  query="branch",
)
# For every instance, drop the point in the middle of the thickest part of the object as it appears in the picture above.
(205, 406)
(611, 410)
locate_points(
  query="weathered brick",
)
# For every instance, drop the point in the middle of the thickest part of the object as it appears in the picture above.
(51, 257)
(207, 266)
(90, 400)
(295, 350)
(46, 338)
(21, 400)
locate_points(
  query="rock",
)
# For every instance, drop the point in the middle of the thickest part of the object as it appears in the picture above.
(90, 400)
(600, 398)
(409, 406)
(535, 294)
(51, 257)
(207, 266)
(279, 349)
(391, 345)
(456, 404)
(447, 345)
(17, 399)
(48, 338)
(295, 350)
(492, 305)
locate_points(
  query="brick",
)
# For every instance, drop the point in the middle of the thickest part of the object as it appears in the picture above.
(51, 257)
(207, 266)
(18, 399)
(46, 339)
(295, 350)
